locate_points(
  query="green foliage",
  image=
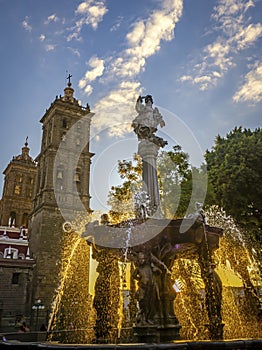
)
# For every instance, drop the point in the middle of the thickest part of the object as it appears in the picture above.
(120, 198)
(235, 170)
(173, 170)
(194, 188)
(176, 180)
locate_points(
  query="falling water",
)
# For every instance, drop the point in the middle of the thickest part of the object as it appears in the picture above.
(71, 317)
(237, 263)
(189, 303)
(239, 267)
(237, 257)
(124, 266)
(60, 291)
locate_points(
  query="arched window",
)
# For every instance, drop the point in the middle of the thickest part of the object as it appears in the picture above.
(28, 192)
(11, 253)
(19, 178)
(12, 218)
(29, 180)
(64, 123)
(25, 220)
(17, 189)
(60, 177)
(77, 176)
(15, 278)
(60, 174)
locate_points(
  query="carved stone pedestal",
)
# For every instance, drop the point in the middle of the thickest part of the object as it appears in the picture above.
(156, 334)
(146, 334)
(169, 333)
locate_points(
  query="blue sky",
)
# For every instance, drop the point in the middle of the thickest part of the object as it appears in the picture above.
(199, 59)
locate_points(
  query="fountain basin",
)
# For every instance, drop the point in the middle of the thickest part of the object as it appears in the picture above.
(251, 344)
(149, 233)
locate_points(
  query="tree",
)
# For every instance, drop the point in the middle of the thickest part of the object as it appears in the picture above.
(235, 170)
(173, 169)
(120, 198)
(194, 188)
(175, 184)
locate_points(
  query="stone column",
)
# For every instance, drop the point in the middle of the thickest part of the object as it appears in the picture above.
(148, 152)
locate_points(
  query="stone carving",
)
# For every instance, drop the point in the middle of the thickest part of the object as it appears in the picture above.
(147, 294)
(145, 126)
(146, 123)
(155, 293)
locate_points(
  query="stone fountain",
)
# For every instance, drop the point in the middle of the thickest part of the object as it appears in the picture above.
(151, 244)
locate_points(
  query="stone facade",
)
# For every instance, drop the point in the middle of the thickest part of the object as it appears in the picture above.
(62, 188)
(16, 268)
(19, 182)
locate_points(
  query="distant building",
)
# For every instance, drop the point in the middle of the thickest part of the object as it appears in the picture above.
(16, 268)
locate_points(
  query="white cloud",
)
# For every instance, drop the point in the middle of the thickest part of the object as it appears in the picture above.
(226, 9)
(49, 47)
(74, 51)
(117, 24)
(235, 33)
(116, 110)
(185, 78)
(143, 40)
(136, 35)
(26, 24)
(90, 12)
(97, 70)
(251, 90)
(51, 18)
(42, 37)
(88, 89)
(202, 79)
(247, 36)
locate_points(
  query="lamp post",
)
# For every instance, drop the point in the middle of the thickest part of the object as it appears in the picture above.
(37, 307)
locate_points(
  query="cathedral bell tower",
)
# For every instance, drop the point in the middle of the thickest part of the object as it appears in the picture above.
(62, 186)
(16, 202)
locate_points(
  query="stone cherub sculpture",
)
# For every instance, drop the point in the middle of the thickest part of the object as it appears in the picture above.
(146, 123)
(155, 294)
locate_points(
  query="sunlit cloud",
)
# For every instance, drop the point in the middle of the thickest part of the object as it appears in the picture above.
(186, 78)
(26, 24)
(89, 12)
(88, 90)
(247, 36)
(142, 41)
(115, 110)
(235, 33)
(251, 90)
(97, 69)
(51, 18)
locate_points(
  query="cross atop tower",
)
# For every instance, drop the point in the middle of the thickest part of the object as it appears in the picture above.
(69, 82)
